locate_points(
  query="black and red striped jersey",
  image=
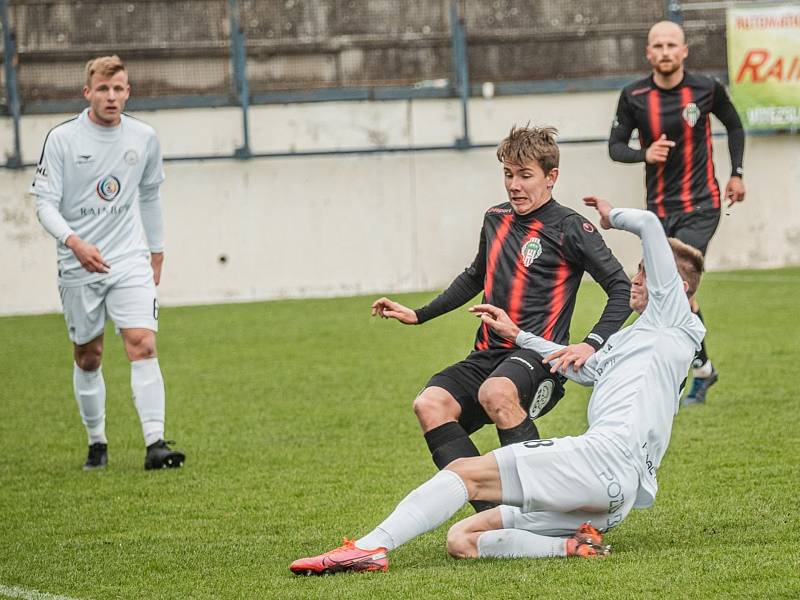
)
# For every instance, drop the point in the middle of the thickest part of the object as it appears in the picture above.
(531, 266)
(686, 181)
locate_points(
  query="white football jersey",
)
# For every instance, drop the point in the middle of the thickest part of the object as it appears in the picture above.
(88, 182)
(637, 374)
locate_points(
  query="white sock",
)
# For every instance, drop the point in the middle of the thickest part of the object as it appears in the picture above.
(424, 509)
(704, 371)
(517, 543)
(148, 397)
(90, 393)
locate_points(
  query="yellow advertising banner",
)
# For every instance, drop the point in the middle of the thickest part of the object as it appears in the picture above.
(764, 65)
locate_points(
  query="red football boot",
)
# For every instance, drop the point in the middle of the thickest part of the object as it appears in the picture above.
(347, 557)
(587, 542)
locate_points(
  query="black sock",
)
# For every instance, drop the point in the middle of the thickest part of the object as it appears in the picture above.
(521, 433)
(701, 357)
(448, 442)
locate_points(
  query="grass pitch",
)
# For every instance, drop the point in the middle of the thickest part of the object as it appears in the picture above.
(296, 419)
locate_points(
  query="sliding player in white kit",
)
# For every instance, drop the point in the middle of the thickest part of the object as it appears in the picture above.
(97, 193)
(551, 489)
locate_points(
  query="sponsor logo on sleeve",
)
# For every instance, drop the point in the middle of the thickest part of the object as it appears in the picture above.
(588, 228)
(108, 188)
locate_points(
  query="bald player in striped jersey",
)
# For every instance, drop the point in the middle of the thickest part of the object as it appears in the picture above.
(532, 254)
(551, 488)
(97, 193)
(671, 109)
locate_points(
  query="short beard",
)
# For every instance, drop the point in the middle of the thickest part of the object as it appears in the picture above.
(667, 68)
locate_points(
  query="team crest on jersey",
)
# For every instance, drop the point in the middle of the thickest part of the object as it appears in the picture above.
(540, 399)
(531, 250)
(691, 114)
(108, 188)
(131, 157)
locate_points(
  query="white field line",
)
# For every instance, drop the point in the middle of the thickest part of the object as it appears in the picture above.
(26, 594)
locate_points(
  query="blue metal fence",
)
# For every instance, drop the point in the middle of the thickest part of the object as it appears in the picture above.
(207, 53)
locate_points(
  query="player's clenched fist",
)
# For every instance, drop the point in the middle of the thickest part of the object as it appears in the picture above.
(389, 309)
(658, 150)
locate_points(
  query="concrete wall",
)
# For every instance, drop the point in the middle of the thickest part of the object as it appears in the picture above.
(371, 223)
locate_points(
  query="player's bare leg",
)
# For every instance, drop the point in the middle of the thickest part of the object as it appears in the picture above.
(462, 538)
(438, 413)
(435, 406)
(424, 509)
(484, 536)
(147, 386)
(90, 394)
(500, 399)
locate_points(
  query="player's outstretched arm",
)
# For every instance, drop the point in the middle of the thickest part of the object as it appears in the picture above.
(659, 262)
(389, 309)
(559, 357)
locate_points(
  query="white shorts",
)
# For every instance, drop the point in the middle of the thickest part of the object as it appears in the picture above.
(567, 481)
(127, 298)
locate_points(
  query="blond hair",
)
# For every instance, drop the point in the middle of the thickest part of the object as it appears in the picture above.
(524, 145)
(690, 264)
(105, 66)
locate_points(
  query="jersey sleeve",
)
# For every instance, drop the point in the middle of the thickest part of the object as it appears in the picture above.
(725, 111)
(152, 220)
(584, 246)
(621, 130)
(48, 189)
(667, 303)
(463, 288)
(586, 375)
(153, 174)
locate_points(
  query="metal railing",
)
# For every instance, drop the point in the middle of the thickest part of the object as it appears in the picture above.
(208, 53)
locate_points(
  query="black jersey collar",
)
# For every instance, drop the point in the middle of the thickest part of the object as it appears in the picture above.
(536, 214)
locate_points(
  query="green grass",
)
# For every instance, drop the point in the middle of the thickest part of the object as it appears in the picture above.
(296, 418)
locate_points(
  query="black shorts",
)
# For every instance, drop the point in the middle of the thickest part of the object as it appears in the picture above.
(538, 389)
(695, 228)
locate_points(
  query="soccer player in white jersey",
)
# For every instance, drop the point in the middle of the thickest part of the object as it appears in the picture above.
(551, 489)
(97, 193)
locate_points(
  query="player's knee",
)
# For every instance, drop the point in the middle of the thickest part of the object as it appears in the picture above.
(88, 361)
(497, 395)
(89, 357)
(433, 410)
(459, 543)
(140, 345)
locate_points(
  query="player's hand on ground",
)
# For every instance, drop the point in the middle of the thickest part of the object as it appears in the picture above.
(734, 191)
(157, 261)
(574, 355)
(658, 150)
(87, 254)
(389, 309)
(497, 319)
(603, 207)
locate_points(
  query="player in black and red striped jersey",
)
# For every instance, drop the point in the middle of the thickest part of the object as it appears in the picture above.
(532, 253)
(671, 109)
